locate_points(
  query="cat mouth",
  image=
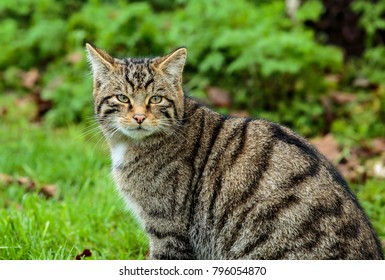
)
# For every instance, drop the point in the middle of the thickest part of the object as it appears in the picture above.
(139, 127)
(138, 132)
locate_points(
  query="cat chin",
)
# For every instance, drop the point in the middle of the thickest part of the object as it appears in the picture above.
(136, 134)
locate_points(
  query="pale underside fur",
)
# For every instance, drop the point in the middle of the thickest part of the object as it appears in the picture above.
(205, 186)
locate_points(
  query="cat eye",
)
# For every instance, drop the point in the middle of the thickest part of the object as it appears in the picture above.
(155, 99)
(122, 98)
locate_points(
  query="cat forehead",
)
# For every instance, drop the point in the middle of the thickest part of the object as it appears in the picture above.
(137, 71)
(135, 62)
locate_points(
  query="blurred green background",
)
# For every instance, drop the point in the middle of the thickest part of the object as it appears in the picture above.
(315, 66)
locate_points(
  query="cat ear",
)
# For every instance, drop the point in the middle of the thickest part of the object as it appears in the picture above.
(100, 61)
(173, 63)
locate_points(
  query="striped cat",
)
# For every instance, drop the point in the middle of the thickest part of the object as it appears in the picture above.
(206, 186)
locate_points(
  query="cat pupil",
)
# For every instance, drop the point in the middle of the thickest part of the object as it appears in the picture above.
(155, 99)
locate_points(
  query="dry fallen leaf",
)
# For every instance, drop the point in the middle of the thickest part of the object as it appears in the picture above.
(218, 97)
(48, 191)
(361, 82)
(240, 114)
(351, 169)
(84, 254)
(328, 146)
(43, 106)
(26, 182)
(3, 111)
(6, 179)
(342, 98)
(30, 78)
(74, 57)
(333, 79)
(378, 145)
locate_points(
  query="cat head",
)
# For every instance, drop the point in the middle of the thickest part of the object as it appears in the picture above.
(137, 97)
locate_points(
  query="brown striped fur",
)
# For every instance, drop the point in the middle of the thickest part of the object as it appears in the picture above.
(206, 186)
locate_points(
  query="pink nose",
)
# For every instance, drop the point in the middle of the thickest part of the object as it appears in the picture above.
(139, 118)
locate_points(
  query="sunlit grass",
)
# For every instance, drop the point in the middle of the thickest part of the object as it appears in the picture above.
(85, 213)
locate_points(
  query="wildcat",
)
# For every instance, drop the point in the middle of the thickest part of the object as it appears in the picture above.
(206, 186)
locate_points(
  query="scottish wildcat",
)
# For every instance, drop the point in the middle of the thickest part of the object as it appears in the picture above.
(206, 186)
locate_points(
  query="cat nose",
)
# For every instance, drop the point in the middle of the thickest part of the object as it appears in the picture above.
(139, 118)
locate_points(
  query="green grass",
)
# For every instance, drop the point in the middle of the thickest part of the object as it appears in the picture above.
(86, 212)
(372, 198)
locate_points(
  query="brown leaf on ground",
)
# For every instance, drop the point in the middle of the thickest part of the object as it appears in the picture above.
(239, 114)
(43, 106)
(342, 98)
(6, 179)
(333, 79)
(74, 57)
(371, 148)
(378, 145)
(48, 191)
(328, 146)
(218, 97)
(328, 112)
(3, 111)
(25, 100)
(351, 169)
(361, 82)
(26, 182)
(30, 78)
(84, 254)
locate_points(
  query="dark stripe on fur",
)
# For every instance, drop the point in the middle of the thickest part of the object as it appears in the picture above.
(250, 246)
(174, 108)
(242, 140)
(165, 113)
(105, 99)
(170, 234)
(110, 111)
(198, 185)
(129, 82)
(149, 82)
(249, 194)
(310, 226)
(296, 180)
(236, 228)
(231, 137)
(262, 165)
(281, 135)
(190, 159)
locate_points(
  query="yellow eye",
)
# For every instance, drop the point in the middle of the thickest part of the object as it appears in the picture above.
(122, 98)
(155, 99)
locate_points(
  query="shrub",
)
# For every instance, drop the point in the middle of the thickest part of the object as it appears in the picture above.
(267, 61)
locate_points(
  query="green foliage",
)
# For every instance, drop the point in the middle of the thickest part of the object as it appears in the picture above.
(372, 20)
(258, 53)
(273, 66)
(372, 66)
(266, 60)
(372, 17)
(373, 202)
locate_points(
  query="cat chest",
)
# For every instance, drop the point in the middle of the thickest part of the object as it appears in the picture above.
(139, 175)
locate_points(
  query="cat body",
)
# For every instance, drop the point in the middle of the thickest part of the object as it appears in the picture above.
(206, 186)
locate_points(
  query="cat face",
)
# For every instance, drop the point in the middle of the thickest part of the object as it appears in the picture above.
(137, 98)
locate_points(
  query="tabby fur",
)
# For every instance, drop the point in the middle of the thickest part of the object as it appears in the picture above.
(207, 186)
